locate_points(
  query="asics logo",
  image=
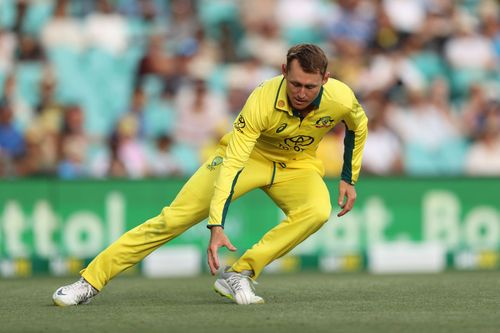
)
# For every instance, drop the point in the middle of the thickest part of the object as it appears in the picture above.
(281, 128)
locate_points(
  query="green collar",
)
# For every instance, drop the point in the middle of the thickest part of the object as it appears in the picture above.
(317, 100)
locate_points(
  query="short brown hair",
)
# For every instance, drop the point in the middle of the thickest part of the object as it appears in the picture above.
(311, 58)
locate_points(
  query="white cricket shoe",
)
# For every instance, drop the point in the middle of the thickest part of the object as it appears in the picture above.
(238, 287)
(80, 292)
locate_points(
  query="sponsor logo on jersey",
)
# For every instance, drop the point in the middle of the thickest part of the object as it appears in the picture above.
(297, 143)
(281, 128)
(240, 124)
(324, 122)
(215, 162)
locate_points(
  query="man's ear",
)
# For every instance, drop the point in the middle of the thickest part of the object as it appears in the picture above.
(326, 77)
(283, 69)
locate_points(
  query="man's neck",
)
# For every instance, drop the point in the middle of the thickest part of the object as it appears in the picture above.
(303, 113)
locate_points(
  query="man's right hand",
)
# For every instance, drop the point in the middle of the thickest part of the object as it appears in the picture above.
(217, 239)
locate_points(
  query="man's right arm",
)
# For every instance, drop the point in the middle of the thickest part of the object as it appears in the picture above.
(246, 130)
(217, 239)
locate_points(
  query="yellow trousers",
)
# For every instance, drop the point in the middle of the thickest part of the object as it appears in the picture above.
(297, 188)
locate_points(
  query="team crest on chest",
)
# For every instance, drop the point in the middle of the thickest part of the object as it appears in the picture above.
(324, 122)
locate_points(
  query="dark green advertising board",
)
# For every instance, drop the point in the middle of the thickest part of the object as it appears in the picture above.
(56, 226)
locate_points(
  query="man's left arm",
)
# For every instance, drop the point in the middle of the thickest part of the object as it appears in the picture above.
(354, 141)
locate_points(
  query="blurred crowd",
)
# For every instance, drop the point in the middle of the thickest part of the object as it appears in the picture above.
(145, 88)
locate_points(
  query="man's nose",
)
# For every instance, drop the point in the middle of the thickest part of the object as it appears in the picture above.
(302, 92)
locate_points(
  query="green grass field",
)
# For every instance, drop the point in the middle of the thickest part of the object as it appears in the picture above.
(306, 302)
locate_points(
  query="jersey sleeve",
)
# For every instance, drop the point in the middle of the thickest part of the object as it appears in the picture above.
(246, 130)
(354, 141)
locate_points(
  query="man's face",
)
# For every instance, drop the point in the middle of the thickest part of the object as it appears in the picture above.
(301, 87)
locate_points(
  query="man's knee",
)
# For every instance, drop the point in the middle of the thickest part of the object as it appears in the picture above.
(323, 213)
(320, 214)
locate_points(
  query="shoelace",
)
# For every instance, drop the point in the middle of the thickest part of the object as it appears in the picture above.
(85, 291)
(239, 281)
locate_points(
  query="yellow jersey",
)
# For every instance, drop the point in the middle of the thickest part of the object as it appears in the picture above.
(269, 127)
